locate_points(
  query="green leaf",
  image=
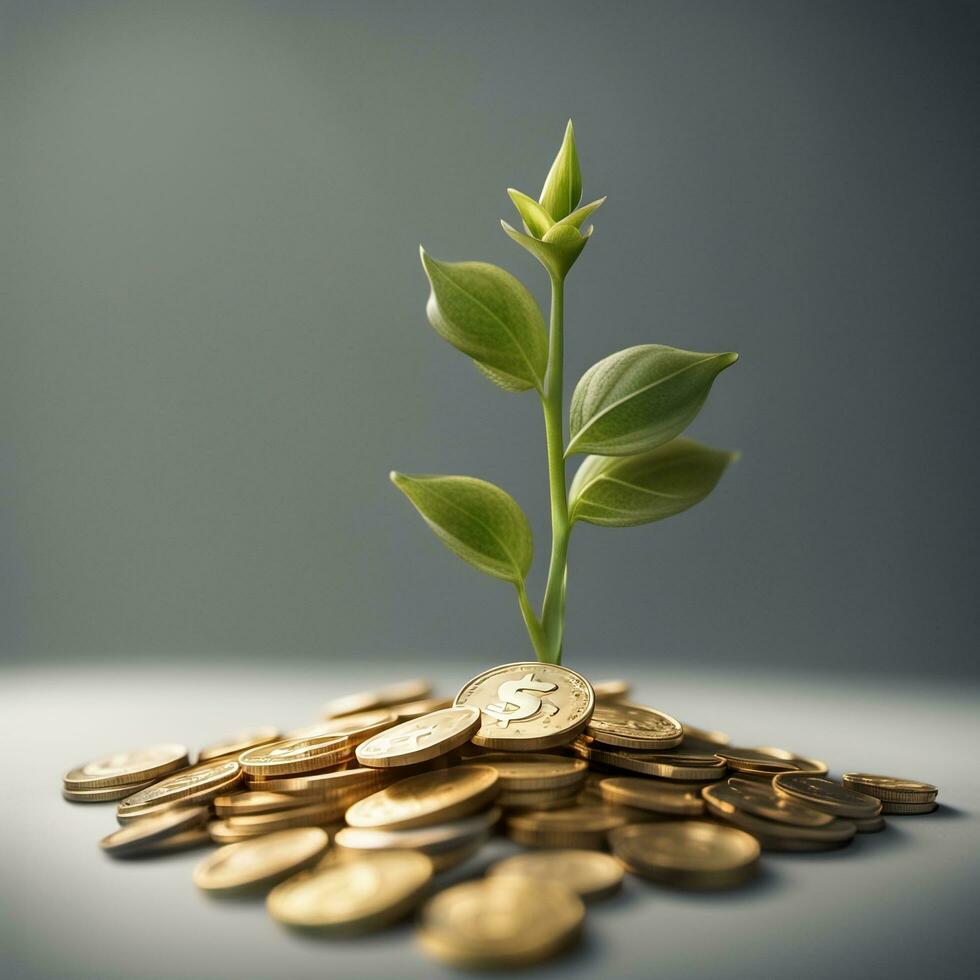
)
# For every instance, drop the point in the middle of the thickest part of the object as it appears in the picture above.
(563, 186)
(536, 220)
(475, 520)
(557, 252)
(488, 314)
(640, 398)
(624, 491)
(579, 215)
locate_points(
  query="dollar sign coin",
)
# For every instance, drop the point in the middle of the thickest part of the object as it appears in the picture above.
(528, 706)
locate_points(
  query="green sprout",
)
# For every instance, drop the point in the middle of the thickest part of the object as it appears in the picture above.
(627, 411)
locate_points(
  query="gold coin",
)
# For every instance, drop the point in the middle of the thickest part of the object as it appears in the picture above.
(420, 739)
(363, 893)
(326, 784)
(661, 764)
(384, 697)
(105, 795)
(528, 706)
(137, 836)
(415, 709)
(307, 815)
(907, 808)
(184, 841)
(776, 836)
(538, 799)
(449, 859)
(125, 768)
(825, 794)
(610, 690)
(694, 734)
(634, 726)
(431, 840)
(762, 801)
(868, 825)
(260, 862)
(692, 853)
(200, 783)
(295, 755)
(890, 789)
(528, 771)
(239, 804)
(754, 761)
(239, 742)
(500, 922)
(578, 826)
(590, 874)
(355, 728)
(647, 794)
(802, 763)
(430, 797)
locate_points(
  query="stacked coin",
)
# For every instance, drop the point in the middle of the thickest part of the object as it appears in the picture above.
(114, 777)
(351, 820)
(896, 795)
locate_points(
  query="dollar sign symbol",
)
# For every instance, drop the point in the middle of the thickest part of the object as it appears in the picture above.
(517, 703)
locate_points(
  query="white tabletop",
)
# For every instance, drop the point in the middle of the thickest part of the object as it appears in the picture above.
(901, 903)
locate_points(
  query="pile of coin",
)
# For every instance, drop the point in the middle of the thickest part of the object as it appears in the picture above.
(346, 824)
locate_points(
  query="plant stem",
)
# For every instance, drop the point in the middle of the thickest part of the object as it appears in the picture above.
(553, 607)
(534, 630)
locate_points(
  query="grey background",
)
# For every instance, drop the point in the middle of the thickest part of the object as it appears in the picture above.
(214, 344)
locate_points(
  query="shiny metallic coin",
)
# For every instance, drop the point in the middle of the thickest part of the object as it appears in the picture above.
(239, 742)
(432, 797)
(661, 764)
(326, 784)
(648, 794)
(126, 768)
(308, 815)
(363, 893)
(431, 840)
(634, 726)
(868, 825)
(294, 756)
(534, 799)
(753, 761)
(777, 835)
(890, 789)
(250, 802)
(107, 794)
(186, 840)
(139, 835)
(497, 922)
(259, 863)
(420, 739)
(200, 784)
(908, 808)
(528, 706)
(690, 853)
(592, 875)
(523, 771)
(802, 763)
(762, 801)
(577, 827)
(825, 794)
